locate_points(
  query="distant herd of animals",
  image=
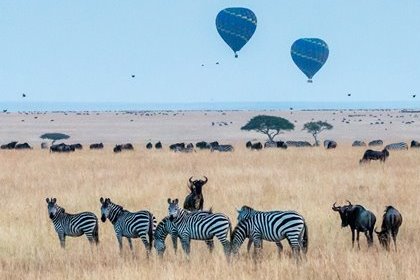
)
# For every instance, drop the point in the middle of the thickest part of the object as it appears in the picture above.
(191, 222)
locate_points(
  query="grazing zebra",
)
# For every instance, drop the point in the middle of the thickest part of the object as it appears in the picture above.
(272, 226)
(376, 143)
(198, 227)
(358, 143)
(298, 144)
(275, 144)
(166, 227)
(72, 224)
(141, 224)
(397, 146)
(222, 148)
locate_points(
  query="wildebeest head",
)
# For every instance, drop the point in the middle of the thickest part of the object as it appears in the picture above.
(385, 152)
(52, 207)
(196, 186)
(105, 208)
(173, 209)
(384, 238)
(344, 212)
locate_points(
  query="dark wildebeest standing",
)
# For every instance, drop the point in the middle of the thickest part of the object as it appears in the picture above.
(127, 146)
(61, 148)
(96, 146)
(149, 146)
(195, 200)
(330, 144)
(374, 155)
(202, 145)
(254, 146)
(117, 149)
(248, 145)
(391, 223)
(77, 146)
(158, 145)
(359, 219)
(9, 146)
(415, 144)
(23, 146)
(177, 146)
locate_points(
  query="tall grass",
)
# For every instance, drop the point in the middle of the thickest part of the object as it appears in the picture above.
(305, 180)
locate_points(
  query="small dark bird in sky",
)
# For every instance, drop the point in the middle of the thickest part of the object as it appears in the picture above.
(348, 94)
(5, 110)
(217, 63)
(202, 65)
(414, 96)
(133, 76)
(23, 95)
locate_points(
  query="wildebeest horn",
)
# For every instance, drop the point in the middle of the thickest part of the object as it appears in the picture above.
(335, 208)
(377, 232)
(190, 180)
(205, 179)
(349, 203)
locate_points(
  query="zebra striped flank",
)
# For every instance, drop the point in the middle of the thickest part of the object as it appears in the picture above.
(397, 146)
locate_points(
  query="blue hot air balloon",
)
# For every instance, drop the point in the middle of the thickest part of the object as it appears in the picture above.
(236, 26)
(309, 54)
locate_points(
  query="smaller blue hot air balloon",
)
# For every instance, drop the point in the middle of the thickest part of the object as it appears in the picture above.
(236, 26)
(309, 54)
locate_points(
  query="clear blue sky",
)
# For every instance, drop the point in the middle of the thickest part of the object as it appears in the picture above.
(86, 51)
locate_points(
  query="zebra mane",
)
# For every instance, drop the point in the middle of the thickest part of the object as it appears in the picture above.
(247, 208)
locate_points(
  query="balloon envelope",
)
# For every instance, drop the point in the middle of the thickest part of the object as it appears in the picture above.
(309, 54)
(236, 26)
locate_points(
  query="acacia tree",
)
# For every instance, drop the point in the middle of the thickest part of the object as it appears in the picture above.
(268, 125)
(315, 128)
(54, 136)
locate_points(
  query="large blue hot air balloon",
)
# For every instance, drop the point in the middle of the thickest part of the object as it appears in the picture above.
(309, 54)
(236, 26)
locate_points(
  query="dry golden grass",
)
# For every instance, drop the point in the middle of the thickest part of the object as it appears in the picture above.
(306, 180)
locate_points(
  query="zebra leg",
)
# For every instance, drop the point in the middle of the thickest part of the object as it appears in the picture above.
(175, 242)
(130, 243)
(146, 244)
(279, 248)
(62, 238)
(257, 246)
(120, 245)
(185, 242)
(248, 247)
(210, 245)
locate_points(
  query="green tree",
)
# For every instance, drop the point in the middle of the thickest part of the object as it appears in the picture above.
(54, 136)
(268, 125)
(315, 128)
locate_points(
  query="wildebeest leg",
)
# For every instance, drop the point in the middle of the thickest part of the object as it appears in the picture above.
(210, 245)
(352, 238)
(357, 237)
(369, 242)
(394, 237)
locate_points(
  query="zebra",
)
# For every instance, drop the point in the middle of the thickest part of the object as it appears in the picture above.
(397, 146)
(166, 227)
(271, 226)
(376, 143)
(222, 148)
(141, 224)
(72, 224)
(198, 227)
(358, 143)
(298, 144)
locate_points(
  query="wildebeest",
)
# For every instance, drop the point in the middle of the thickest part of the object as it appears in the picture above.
(391, 223)
(298, 144)
(415, 144)
(254, 146)
(248, 145)
(374, 155)
(202, 145)
(61, 148)
(330, 144)
(175, 146)
(158, 145)
(376, 143)
(9, 146)
(214, 144)
(127, 146)
(359, 219)
(118, 148)
(358, 143)
(149, 146)
(96, 146)
(275, 144)
(23, 146)
(195, 200)
(77, 146)
(397, 146)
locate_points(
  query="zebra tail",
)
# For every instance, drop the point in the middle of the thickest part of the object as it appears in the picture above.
(152, 228)
(96, 233)
(305, 239)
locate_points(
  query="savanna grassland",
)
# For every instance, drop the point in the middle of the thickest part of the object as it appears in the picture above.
(306, 180)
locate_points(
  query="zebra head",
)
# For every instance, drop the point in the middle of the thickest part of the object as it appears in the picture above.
(196, 186)
(52, 207)
(173, 209)
(105, 208)
(244, 213)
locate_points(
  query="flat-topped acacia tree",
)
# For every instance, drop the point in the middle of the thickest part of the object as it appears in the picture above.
(54, 136)
(315, 128)
(268, 125)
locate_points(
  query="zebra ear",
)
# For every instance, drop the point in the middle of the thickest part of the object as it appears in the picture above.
(48, 200)
(101, 200)
(176, 201)
(169, 200)
(54, 200)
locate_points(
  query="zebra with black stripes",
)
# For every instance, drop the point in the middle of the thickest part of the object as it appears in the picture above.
(72, 224)
(166, 227)
(397, 146)
(222, 148)
(272, 226)
(141, 224)
(198, 227)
